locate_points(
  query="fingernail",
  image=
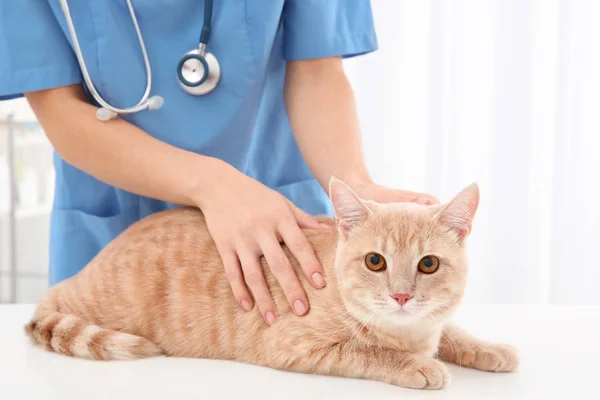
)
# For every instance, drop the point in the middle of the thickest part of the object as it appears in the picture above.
(318, 279)
(299, 307)
(270, 318)
(246, 305)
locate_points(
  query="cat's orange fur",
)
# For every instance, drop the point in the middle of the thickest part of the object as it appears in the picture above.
(160, 289)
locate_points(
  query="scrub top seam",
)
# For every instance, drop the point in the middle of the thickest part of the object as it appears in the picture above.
(97, 45)
(254, 64)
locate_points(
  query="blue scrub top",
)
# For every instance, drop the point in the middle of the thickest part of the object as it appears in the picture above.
(243, 121)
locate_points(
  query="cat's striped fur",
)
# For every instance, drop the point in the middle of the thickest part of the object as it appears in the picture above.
(159, 289)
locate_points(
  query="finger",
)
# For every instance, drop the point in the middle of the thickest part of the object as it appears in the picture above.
(253, 275)
(285, 274)
(306, 220)
(401, 196)
(235, 277)
(427, 199)
(423, 200)
(302, 249)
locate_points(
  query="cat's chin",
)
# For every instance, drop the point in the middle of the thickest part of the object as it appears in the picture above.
(402, 316)
(402, 312)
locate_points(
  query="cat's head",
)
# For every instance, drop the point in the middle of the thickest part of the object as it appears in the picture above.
(402, 263)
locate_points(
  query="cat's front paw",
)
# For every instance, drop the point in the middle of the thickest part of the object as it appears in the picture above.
(424, 373)
(492, 357)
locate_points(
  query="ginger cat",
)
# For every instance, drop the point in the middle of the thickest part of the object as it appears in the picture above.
(395, 275)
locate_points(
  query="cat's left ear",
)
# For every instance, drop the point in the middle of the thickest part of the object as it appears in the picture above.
(350, 210)
(457, 216)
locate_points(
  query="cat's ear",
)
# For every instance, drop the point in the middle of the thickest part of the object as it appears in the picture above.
(350, 211)
(457, 216)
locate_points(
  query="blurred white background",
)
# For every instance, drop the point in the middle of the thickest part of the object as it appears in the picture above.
(24, 236)
(502, 92)
(505, 93)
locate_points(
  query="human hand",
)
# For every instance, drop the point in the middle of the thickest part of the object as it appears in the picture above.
(246, 220)
(382, 194)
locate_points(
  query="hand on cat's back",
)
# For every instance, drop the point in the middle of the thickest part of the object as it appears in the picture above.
(248, 227)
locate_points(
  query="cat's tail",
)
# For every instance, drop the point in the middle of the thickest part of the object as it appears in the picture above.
(72, 336)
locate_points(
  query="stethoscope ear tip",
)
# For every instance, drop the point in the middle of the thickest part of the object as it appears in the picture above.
(104, 114)
(211, 69)
(155, 102)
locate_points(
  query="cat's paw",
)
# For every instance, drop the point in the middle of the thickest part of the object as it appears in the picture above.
(492, 357)
(424, 373)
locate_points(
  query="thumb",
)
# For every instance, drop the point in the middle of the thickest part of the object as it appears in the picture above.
(306, 220)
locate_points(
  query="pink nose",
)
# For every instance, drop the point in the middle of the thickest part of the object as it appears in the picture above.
(401, 298)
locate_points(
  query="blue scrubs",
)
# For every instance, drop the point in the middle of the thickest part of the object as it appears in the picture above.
(243, 121)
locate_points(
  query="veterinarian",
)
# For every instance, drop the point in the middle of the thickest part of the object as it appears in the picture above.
(238, 107)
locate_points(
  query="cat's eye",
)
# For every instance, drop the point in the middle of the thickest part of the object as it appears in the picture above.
(375, 262)
(429, 264)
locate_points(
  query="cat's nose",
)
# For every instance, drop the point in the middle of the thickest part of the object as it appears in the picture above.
(401, 298)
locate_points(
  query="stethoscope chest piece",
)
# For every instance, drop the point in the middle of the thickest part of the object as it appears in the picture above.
(198, 74)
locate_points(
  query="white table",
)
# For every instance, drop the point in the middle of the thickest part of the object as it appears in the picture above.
(559, 346)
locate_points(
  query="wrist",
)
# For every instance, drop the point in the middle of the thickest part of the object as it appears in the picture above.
(357, 181)
(205, 175)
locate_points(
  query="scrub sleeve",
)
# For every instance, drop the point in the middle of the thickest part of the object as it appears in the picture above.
(327, 28)
(25, 65)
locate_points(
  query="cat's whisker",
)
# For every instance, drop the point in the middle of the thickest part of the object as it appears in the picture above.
(336, 316)
(437, 316)
(454, 345)
(432, 317)
(381, 305)
(342, 325)
(340, 318)
(369, 316)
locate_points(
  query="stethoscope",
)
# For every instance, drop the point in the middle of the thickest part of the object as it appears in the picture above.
(198, 72)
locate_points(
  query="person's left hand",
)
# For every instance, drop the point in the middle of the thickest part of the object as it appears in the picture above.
(382, 194)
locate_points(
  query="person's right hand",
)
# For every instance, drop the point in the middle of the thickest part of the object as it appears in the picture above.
(246, 220)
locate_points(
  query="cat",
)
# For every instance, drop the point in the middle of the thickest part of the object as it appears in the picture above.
(396, 274)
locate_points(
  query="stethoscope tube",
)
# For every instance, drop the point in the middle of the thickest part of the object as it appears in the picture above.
(198, 71)
(107, 111)
(207, 82)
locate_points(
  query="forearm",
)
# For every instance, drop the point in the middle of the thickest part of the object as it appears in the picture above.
(322, 113)
(117, 152)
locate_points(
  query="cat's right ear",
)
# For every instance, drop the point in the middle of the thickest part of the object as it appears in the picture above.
(457, 216)
(350, 211)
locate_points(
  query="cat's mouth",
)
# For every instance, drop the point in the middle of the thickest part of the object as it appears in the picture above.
(399, 311)
(404, 316)
(409, 310)
(402, 311)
